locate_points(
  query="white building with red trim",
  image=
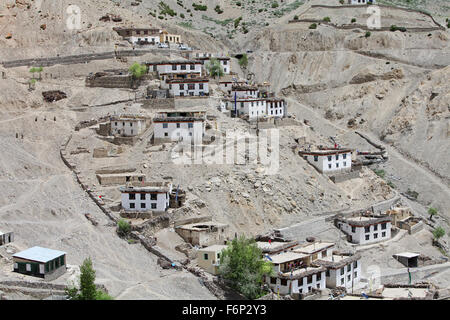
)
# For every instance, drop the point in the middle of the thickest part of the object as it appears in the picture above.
(146, 196)
(329, 160)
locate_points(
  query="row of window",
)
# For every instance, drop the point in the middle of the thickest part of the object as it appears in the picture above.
(183, 67)
(190, 86)
(375, 235)
(309, 280)
(190, 125)
(330, 166)
(132, 196)
(330, 158)
(143, 205)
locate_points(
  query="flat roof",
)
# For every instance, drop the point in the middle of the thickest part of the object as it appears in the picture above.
(325, 152)
(407, 254)
(146, 187)
(215, 247)
(275, 245)
(178, 119)
(193, 109)
(197, 226)
(314, 247)
(302, 272)
(286, 257)
(39, 254)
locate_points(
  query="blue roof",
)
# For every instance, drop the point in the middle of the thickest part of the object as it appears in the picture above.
(39, 254)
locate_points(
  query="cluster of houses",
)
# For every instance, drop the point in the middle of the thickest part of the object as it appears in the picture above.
(299, 269)
(248, 101)
(368, 227)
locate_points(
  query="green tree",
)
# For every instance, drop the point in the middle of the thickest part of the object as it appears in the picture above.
(87, 290)
(243, 265)
(438, 233)
(432, 212)
(243, 61)
(137, 71)
(123, 227)
(214, 68)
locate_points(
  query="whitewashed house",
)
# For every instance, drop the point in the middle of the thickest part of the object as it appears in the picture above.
(253, 107)
(146, 196)
(365, 229)
(315, 250)
(167, 68)
(343, 270)
(194, 87)
(329, 160)
(276, 107)
(140, 35)
(205, 58)
(187, 129)
(244, 91)
(299, 281)
(128, 125)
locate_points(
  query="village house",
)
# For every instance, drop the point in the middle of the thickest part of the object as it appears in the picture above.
(329, 160)
(128, 125)
(287, 261)
(140, 35)
(40, 262)
(146, 196)
(365, 229)
(244, 91)
(276, 107)
(187, 129)
(193, 87)
(315, 250)
(209, 258)
(298, 282)
(178, 67)
(204, 233)
(343, 269)
(166, 37)
(6, 237)
(251, 107)
(408, 259)
(205, 58)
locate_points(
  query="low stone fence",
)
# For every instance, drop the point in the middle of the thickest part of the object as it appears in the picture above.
(344, 176)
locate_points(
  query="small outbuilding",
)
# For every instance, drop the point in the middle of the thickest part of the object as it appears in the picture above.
(6, 237)
(40, 262)
(408, 259)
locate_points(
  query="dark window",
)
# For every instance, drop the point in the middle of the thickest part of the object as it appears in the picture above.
(178, 125)
(192, 67)
(353, 229)
(319, 276)
(327, 273)
(153, 196)
(165, 125)
(342, 271)
(132, 196)
(337, 157)
(367, 229)
(205, 256)
(355, 264)
(183, 67)
(383, 234)
(309, 279)
(349, 277)
(191, 86)
(375, 227)
(190, 125)
(143, 205)
(316, 158)
(329, 158)
(375, 235)
(273, 280)
(344, 156)
(356, 275)
(200, 86)
(225, 62)
(367, 237)
(174, 67)
(284, 282)
(182, 86)
(383, 226)
(132, 206)
(153, 205)
(142, 196)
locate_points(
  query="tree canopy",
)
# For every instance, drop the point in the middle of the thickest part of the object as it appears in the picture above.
(243, 265)
(438, 233)
(137, 70)
(243, 61)
(214, 68)
(87, 289)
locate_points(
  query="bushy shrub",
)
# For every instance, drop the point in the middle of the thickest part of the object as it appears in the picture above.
(313, 26)
(353, 20)
(123, 227)
(327, 19)
(368, 34)
(199, 7)
(275, 5)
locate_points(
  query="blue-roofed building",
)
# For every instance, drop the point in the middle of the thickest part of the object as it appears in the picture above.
(40, 262)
